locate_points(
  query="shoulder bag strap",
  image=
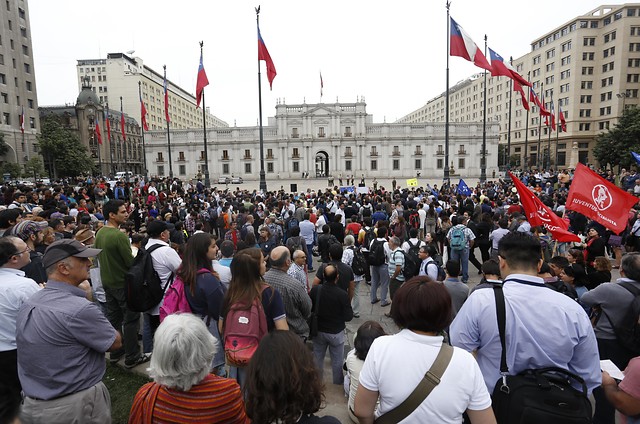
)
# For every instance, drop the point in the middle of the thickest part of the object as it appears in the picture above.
(501, 311)
(430, 380)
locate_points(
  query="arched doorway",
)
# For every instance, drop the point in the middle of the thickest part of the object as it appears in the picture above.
(322, 164)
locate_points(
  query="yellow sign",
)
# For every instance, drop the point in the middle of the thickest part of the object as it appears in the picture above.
(413, 182)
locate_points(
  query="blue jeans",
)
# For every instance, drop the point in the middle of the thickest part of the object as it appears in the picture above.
(461, 256)
(379, 278)
(335, 343)
(310, 256)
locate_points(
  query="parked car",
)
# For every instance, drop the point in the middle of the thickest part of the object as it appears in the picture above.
(237, 180)
(224, 180)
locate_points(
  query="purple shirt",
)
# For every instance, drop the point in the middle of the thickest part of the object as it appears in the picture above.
(61, 339)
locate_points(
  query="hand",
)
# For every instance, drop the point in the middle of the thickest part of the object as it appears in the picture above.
(607, 380)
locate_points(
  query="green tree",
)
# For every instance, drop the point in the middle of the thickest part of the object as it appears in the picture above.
(34, 167)
(12, 168)
(614, 147)
(62, 149)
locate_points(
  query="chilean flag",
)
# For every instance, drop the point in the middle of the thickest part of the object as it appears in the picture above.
(122, 123)
(166, 99)
(517, 87)
(143, 115)
(98, 135)
(552, 116)
(501, 68)
(263, 54)
(108, 125)
(201, 83)
(563, 123)
(540, 103)
(462, 45)
(22, 121)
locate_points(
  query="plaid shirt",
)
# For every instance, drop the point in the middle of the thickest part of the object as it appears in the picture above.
(297, 303)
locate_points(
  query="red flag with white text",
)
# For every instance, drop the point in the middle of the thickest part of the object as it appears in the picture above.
(539, 215)
(600, 200)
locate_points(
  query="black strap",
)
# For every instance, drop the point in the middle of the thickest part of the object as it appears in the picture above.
(429, 382)
(171, 276)
(501, 312)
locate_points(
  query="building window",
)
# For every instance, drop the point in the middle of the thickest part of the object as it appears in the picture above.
(160, 169)
(374, 165)
(588, 56)
(440, 163)
(587, 70)
(269, 153)
(225, 155)
(294, 133)
(565, 60)
(247, 168)
(296, 166)
(461, 150)
(396, 151)
(182, 169)
(396, 164)
(585, 126)
(347, 151)
(7, 118)
(461, 163)
(610, 37)
(347, 132)
(585, 113)
(589, 41)
(270, 167)
(418, 164)
(321, 132)
(296, 153)
(585, 99)
(551, 53)
(181, 156)
(347, 165)
(225, 168)
(247, 154)
(374, 151)
(587, 85)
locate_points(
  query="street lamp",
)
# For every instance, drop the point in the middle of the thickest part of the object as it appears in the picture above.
(623, 96)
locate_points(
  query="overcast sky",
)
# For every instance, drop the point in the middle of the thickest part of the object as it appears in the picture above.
(393, 53)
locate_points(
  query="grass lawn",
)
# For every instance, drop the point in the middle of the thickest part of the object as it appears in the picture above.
(123, 386)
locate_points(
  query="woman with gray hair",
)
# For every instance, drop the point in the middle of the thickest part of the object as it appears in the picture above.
(183, 389)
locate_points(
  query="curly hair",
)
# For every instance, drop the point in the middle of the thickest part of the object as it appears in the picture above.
(282, 380)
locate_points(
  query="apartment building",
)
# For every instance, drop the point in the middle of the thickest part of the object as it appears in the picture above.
(590, 66)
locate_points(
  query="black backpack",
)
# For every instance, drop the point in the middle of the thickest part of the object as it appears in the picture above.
(442, 275)
(376, 253)
(143, 288)
(359, 264)
(369, 236)
(628, 329)
(412, 254)
(411, 266)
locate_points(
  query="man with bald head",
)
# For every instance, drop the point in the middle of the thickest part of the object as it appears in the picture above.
(297, 303)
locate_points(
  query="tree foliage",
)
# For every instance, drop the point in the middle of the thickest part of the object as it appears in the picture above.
(62, 149)
(34, 166)
(613, 148)
(4, 147)
(12, 168)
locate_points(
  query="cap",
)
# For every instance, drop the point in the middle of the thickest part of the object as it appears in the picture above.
(155, 228)
(64, 248)
(24, 229)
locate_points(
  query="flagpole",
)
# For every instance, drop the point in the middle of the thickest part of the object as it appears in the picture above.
(164, 67)
(446, 178)
(549, 146)
(105, 117)
(124, 144)
(263, 180)
(509, 125)
(526, 134)
(538, 155)
(144, 147)
(483, 158)
(559, 126)
(99, 155)
(207, 179)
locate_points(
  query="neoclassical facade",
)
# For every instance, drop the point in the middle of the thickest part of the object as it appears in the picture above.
(325, 140)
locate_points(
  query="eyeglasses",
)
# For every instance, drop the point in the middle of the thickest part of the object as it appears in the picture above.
(28, 249)
(300, 257)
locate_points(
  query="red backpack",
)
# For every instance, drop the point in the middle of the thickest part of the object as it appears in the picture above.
(175, 299)
(243, 329)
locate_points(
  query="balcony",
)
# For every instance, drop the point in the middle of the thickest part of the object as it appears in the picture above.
(440, 152)
(225, 157)
(269, 156)
(181, 159)
(295, 155)
(246, 157)
(296, 135)
(462, 152)
(395, 153)
(348, 134)
(417, 153)
(348, 154)
(374, 153)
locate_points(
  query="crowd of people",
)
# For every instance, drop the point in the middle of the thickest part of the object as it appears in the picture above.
(308, 260)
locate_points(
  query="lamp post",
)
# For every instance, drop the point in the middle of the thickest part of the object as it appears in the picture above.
(622, 96)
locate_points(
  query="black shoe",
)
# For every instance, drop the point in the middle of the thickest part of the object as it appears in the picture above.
(114, 358)
(145, 357)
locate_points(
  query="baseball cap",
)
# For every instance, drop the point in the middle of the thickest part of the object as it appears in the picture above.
(155, 228)
(64, 248)
(24, 229)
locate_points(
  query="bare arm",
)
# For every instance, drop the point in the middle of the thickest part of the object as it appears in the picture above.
(117, 343)
(352, 289)
(622, 401)
(484, 416)
(281, 324)
(365, 405)
(316, 281)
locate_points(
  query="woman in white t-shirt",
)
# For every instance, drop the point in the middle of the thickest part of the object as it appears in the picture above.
(396, 364)
(366, 334)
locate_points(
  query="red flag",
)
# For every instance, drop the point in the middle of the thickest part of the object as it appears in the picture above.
(201, 83)
(543, 108)
(517, 87)
(552, 117)
(600, 200)
(98, 135)
(563, 122)
(499, 67)
(122, 122)
(538, 214)
(143, 115)
(263, 54)
(461, 45)
(108, 126)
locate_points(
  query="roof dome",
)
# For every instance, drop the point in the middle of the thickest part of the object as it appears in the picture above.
(87, 96)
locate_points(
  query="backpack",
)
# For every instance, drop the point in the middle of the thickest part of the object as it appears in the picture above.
(442, 275)
(369, 236)
(243, 328)
(294, 243)
(376, 253)
(411, 266)
(458, 240)
(213, 216)
(293, 222)
(221, 220)
(244, 230)
(414, 220)
(628, 329)
(143, 287)
(175, 300)
(359, 263)
(414, 249)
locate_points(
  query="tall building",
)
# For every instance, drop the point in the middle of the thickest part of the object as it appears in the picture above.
(590, 66)
(337, 139)
(118, 76)
(17, 83)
